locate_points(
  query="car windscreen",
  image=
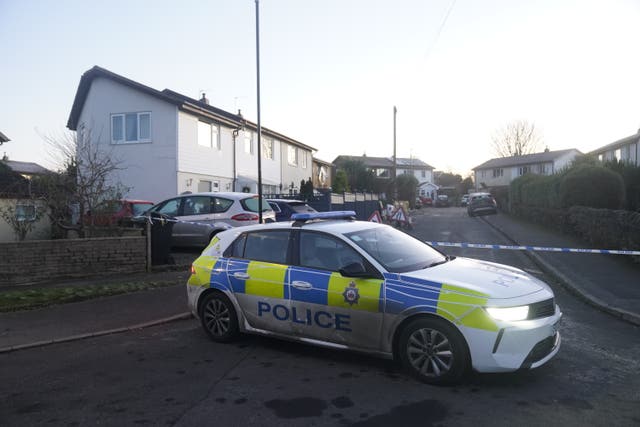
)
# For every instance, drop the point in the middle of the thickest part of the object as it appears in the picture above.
(251, 204)
(301, 207)
(396, 251)
(139, 208)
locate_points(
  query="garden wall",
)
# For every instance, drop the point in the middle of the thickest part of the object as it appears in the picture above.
(42, 260)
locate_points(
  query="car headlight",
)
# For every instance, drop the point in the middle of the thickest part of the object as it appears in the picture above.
(509, 314)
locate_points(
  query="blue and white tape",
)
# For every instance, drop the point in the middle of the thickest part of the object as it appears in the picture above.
(535, 248)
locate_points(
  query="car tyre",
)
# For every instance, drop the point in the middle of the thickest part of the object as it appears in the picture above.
(218, 317)
(434, 351)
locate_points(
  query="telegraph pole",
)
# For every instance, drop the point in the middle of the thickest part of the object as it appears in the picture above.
(259, 150)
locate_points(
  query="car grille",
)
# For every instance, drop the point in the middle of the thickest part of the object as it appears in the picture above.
(542, 309)
(540, 351)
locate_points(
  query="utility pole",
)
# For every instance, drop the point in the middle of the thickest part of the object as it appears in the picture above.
(259, 150)
(395, 160)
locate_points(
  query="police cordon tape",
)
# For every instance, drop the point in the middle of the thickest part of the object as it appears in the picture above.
(450, 244)
(535, 248)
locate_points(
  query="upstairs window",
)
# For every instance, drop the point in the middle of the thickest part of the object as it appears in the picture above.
(248, 142)
(498, 173)
(292, 155)
(303, 159)
(267, 148)
(208, 135)
(130, 128)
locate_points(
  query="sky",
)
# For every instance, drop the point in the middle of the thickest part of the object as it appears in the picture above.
(332, 70)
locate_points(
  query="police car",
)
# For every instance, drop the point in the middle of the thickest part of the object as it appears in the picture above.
(330, 280)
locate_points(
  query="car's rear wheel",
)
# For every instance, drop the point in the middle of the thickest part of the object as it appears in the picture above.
(219, 318)
(434, 351)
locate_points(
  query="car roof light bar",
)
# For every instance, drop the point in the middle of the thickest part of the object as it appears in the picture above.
(301, 218)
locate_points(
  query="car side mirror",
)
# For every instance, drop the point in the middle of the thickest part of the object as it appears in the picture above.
(354, 269)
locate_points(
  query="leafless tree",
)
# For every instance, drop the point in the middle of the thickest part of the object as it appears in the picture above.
(85, 183)
(516, 138)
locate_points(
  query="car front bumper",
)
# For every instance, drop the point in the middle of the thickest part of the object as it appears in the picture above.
(525, 344)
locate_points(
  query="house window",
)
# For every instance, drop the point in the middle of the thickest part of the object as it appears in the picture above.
(267, 148)
(482, 173)
(423, 173)
(215, 186)
(248, 142)
(208, 135)
(204, 134)
(303, 159)
(498, 173)
(130, 128)
(292, 155)
(523, 170)
(617, 154)
(601, 157)
(542, 169)
(25, 213)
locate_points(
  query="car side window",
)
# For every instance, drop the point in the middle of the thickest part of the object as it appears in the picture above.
(220, 205)
(275, 207)
(267, 246)
(170, 207)
(326, 252)
(196, 205)
(236, 249)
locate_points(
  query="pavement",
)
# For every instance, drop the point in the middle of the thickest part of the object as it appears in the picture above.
(608, 282)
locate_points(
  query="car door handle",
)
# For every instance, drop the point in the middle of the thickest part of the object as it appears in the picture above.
(241, 276)
(301, 285)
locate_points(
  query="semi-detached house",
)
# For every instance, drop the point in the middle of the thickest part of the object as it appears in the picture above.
(167, 143)
(501, 171)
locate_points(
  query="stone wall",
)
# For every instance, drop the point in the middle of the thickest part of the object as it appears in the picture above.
(42, 260)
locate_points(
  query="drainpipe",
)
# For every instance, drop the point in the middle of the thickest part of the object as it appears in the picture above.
(236, 131)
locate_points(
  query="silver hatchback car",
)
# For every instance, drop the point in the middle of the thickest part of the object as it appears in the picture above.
(200, 216)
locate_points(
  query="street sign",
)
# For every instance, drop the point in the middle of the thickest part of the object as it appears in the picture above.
(375, 217)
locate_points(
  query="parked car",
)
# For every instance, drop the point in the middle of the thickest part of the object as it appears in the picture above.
(330, 280)
(426, 201)
(200, 216)
(464, 201)
(442, 201)
(117, 212)
(285, 208)
(481, 203)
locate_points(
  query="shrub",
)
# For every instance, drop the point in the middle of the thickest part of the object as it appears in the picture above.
(591, 186)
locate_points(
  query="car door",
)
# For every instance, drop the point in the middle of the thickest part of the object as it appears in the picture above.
(257, 271)
(196, 217)
(328, 306)
(171, 208)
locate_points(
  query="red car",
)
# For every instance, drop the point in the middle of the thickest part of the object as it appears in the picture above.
(118, 212)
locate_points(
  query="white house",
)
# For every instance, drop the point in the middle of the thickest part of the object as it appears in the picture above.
(624, 150)
(167, 143)
(502, 170)
(383, 166)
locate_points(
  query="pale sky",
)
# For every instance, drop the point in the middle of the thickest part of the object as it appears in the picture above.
(332, 70)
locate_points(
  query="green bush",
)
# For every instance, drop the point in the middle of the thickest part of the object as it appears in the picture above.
(631, 177)
(591, 186)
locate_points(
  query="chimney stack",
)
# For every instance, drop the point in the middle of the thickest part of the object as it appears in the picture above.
(204, 98)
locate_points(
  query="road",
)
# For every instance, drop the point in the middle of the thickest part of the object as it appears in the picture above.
(173, 375)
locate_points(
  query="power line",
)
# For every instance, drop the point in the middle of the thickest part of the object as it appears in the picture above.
(444, 21)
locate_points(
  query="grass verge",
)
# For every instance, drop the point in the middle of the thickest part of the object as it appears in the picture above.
(29, 299)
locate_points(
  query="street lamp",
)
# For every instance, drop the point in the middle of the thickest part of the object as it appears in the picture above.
(259, 151)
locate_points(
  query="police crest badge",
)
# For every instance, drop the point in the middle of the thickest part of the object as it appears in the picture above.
(351, 294)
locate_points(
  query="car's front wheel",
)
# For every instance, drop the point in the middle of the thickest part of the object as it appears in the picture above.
(218, 317)
(434, 351)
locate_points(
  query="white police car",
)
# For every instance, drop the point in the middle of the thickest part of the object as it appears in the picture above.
(330, 280)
